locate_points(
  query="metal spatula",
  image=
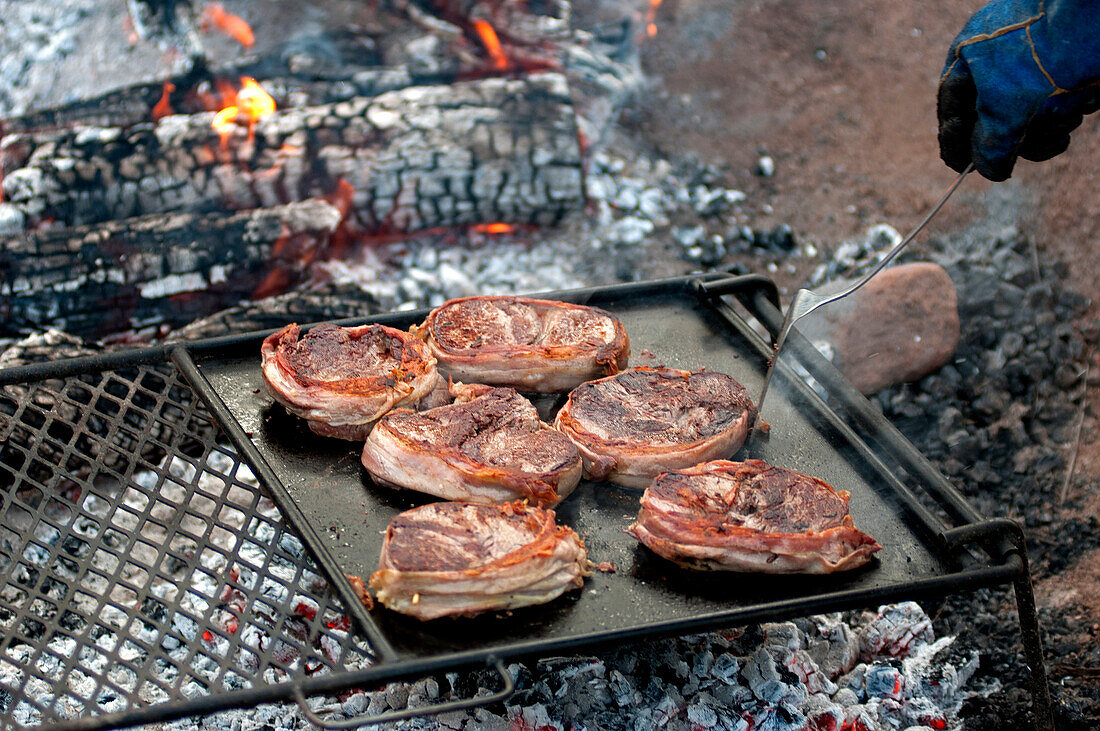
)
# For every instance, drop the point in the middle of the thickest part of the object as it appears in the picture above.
(806, 301)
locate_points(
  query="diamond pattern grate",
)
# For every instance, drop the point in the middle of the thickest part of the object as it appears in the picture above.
(140, 561)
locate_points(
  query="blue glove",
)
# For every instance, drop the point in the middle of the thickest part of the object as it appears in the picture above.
(1018, 79)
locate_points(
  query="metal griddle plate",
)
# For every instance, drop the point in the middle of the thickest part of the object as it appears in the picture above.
(645, 595)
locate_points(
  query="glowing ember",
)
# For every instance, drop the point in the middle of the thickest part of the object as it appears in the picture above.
(341, 197)
(494, 228)
(342, 238)
(216, 17)
(226, 95)
(492, 45)
(651, 18)
(164, 107)
(249, 105)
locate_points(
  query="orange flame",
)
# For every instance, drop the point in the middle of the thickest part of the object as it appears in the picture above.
(492, 45)
(164, 107)
(216, 17)
(253, 101)
(493, 228)
(651, 18)
(250, 104)
(341, 197)
(223, 124)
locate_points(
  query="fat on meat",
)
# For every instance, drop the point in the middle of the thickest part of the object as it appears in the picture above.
(489, 446)
(750, 517)
(461, 559)
(341, 380)
(636, 424)
(532, 345)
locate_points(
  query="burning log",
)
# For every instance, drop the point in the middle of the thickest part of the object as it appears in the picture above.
(300, 71)
(159, 269)
(489, 150)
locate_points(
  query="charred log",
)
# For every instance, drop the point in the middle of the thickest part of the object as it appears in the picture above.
(164, 269)
(517, 22)
(307, 71)
(277, 311)
(489, 150)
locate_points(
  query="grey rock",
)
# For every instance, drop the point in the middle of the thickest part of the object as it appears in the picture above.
(12, 220)
(765, 166)
(688, 236)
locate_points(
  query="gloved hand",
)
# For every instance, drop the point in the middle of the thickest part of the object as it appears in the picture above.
(1018, 79)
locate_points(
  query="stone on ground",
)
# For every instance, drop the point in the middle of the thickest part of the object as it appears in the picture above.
(901, 326)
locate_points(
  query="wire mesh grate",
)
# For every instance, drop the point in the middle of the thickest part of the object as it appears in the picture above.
(140, 561)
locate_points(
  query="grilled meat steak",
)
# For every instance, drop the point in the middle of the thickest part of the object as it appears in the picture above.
(528, 344)
(489, 446)
(750, 516)
(455, 559)
(643, 421)
(342, 379)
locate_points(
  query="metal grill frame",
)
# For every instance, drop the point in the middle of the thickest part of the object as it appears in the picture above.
(208, 424)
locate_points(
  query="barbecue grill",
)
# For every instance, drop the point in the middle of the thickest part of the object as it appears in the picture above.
(172, 543)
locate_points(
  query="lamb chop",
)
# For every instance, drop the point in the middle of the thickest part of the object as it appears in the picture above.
(460, 559)
(643, 421)
(750, 516)
(489, 446)
(531, 345)
(342, 379)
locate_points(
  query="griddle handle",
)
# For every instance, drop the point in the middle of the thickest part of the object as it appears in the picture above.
(457, 705)
(999, 536)
(739, 285)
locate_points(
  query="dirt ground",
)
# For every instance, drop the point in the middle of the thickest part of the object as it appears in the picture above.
(842, 95)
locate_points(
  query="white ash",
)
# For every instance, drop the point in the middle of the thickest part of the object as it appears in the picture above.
(779, 676)
(767, 677)
(35, 37)
(12, 220)
(420, 274)
(896, 632)
(63, 50)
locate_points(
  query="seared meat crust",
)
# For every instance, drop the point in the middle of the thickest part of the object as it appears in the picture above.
(342, 379)
(487, 447)
(531, 345)
(750, 516)
(643, 421)
(460, 559)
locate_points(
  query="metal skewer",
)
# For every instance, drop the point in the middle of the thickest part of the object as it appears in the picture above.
(806, 301)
